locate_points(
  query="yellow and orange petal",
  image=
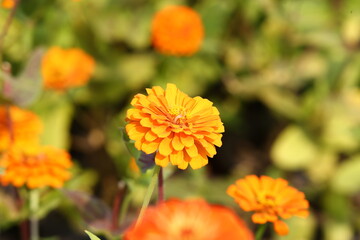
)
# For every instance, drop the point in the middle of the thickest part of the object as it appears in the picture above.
(39, 167)
(177, 30)
(180, 129)
(191, 220)
(18, 127)
(8, 4)
(66, 68)
(270, 199)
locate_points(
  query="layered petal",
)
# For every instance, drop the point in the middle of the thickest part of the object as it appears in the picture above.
(39, 167)
(182, 130)
(270, 200)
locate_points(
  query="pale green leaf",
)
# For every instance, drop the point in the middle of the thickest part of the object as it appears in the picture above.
(347, 178)
(334, 230)
(300, 228)
(56, 117)
(293, 149)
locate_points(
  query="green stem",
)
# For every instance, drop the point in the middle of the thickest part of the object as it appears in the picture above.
(34, 221)
(149, 193)
(260, 231)
(124, 207)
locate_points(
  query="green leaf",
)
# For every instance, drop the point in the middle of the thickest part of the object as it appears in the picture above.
(129, 65)
(336, 206)
(92, 236)
(281, 101)
(323, 170)
(293, 150)
(338, 130)
(346, 179)
(334, 230)
(300, 228)
(56, 112)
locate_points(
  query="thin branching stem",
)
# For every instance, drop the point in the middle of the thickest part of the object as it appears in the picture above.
(149, 193)
(6, 27)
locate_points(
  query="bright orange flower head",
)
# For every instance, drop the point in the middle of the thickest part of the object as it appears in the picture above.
(8, 3)
(66, 68)
(180, 129)
(270, 199)
(189, 220)
(18, 127)
(177, 30)
(35, 168)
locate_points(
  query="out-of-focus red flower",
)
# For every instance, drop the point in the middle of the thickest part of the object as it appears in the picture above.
(189, 220)
(177, 30)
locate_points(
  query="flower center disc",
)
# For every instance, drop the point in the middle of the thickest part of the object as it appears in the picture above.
(267, 200)
(177, 113)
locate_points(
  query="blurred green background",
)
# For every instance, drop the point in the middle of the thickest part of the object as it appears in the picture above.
(284, 75)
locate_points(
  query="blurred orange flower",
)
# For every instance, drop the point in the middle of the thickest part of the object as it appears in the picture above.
(21, 125)
(8, 3)
(190, 220)
(66, 68)
(35, 168)
(270, 199)
(180, 129)
(177, 30)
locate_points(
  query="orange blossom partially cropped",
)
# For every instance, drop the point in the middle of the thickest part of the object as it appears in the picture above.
(271, 199)
(8, 3)
(35, 168)
(189, 220)
(180, 129)
(177, 30)
(66, 68)
(18, 127)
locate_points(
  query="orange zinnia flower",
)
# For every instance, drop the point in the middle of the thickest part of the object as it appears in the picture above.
(8, 3)
(18, 127)
(66, 68)
(38, 167)
(270, 199)
(190, 220)
(177, 30)
(180, 129)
